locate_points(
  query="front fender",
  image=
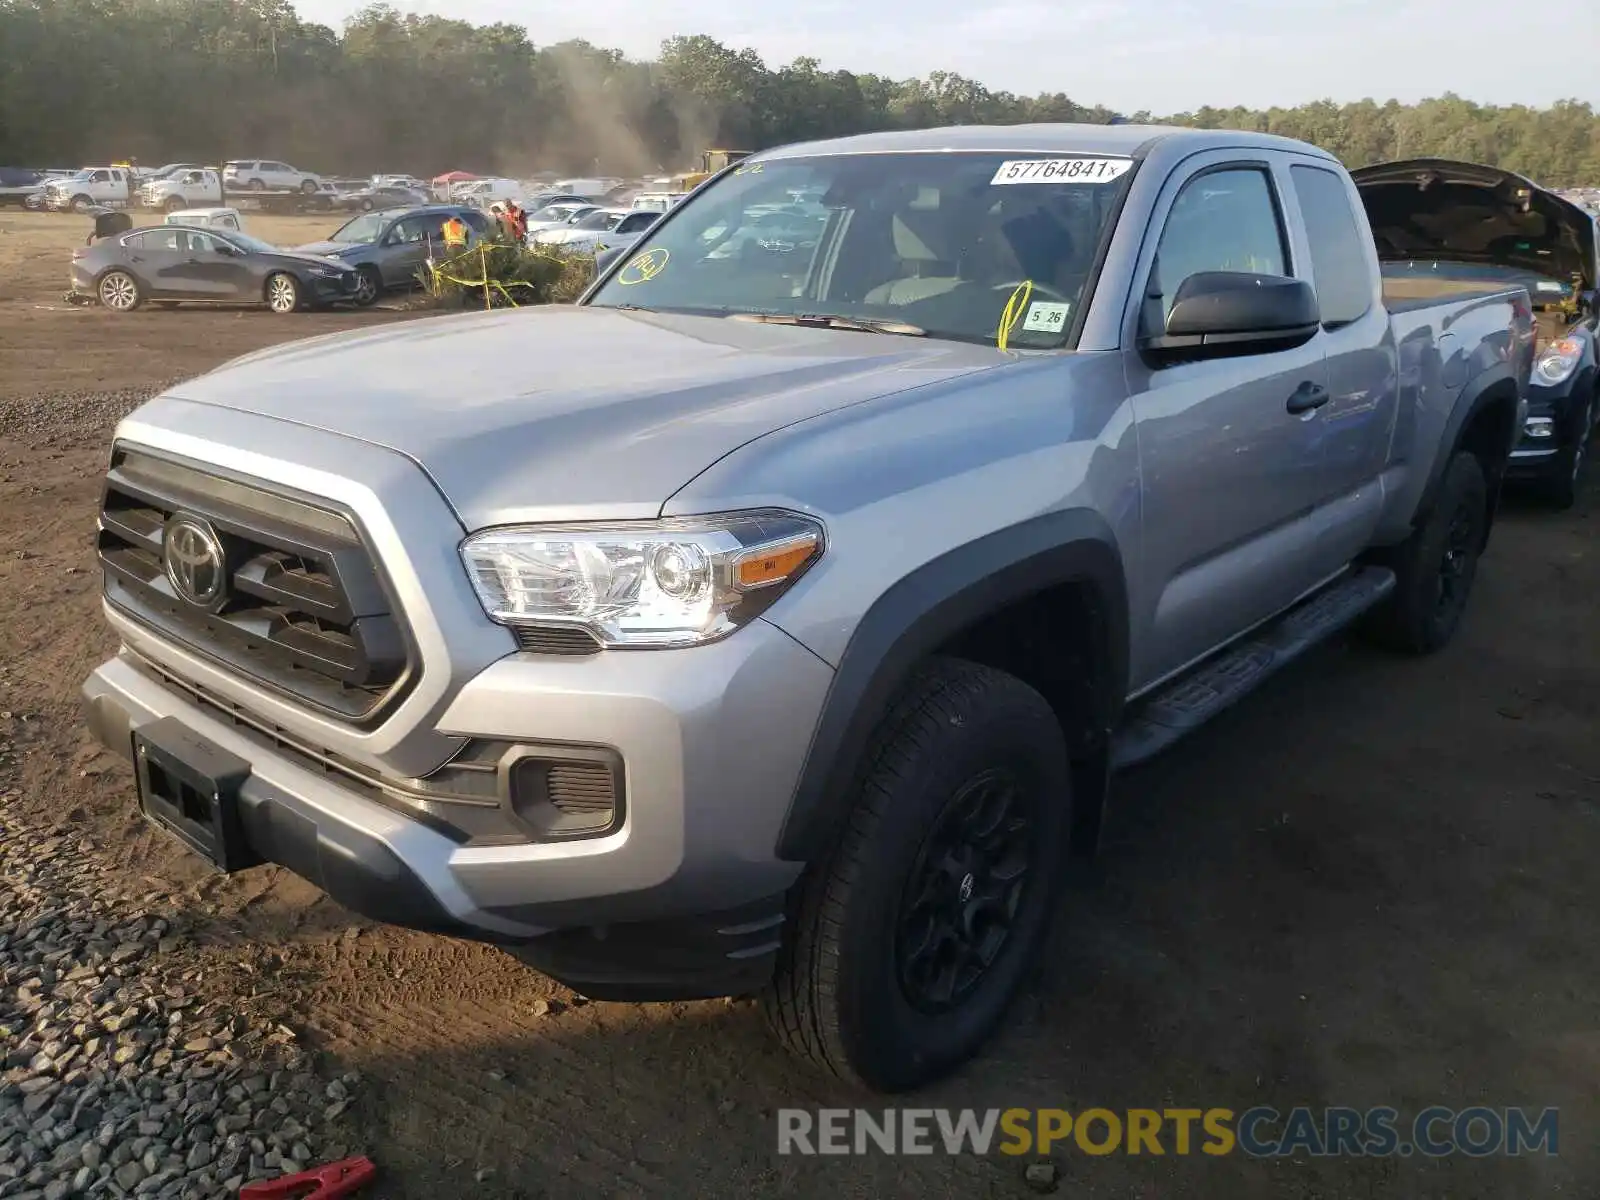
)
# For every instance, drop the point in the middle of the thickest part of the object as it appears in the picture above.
(922, 612)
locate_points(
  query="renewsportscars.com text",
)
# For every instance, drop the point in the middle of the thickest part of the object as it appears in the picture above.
(1260, 1132)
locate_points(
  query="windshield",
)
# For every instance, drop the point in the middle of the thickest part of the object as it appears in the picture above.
(599, 220)
(555, 212)
(364, 228)
(253, 244)
(955, 244)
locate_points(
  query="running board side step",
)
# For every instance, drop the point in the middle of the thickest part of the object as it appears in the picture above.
(1188, 702)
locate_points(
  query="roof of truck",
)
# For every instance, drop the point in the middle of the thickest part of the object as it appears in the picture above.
(1131, 140)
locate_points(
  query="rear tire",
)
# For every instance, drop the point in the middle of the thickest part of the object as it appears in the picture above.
(119, 291)
(914, 935)
(256, 185)
(283, 293)
(1436, 566)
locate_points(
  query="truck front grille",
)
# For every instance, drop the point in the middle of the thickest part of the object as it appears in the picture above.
(276, 588)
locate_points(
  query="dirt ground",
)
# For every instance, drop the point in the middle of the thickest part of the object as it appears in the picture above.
(1372, 884)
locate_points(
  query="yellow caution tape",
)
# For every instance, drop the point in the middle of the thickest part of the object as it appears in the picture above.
(1013, 313)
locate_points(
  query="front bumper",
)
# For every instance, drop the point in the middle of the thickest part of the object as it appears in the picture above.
(1536, 457)
(684, 899)
(337, 290)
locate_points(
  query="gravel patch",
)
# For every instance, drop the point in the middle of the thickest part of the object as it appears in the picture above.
(119, 1077)
(67, 417)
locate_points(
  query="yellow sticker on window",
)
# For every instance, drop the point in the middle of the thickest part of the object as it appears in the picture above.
(644, 268)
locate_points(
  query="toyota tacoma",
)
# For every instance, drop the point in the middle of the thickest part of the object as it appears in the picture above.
(773, 619)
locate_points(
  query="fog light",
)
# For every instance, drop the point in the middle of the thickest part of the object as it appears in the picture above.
(1539, 427)
(567, 797)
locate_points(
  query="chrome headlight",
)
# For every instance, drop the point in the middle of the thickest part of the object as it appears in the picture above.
(674, 582)
(1558, 361)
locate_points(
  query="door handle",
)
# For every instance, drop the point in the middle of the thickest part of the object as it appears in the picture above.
(1308, 397)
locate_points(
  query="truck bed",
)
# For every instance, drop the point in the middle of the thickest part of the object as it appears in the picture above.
(1411, 292)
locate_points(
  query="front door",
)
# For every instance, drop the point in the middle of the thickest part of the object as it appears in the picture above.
(405, 246)
(1230, 476)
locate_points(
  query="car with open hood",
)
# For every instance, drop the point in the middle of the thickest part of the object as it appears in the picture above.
(172, 264)
(1442, 225)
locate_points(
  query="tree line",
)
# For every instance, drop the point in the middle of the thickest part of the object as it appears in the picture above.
(99, 80)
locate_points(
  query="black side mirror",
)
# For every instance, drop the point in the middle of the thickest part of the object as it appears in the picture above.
(1233, 312)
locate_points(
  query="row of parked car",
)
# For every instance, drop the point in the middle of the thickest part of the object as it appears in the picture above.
(205, 255)
(270, 183)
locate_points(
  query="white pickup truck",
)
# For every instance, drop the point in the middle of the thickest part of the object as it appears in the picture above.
(89, 187)
(192, 188)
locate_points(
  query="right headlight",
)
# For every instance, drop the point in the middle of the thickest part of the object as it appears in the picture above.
(1558, 360)
(680, 581)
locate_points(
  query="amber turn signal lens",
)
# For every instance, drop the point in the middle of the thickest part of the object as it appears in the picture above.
(775, 563)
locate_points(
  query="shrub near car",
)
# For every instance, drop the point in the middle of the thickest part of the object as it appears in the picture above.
(388, 248)
(175, 264)
(1447, 226)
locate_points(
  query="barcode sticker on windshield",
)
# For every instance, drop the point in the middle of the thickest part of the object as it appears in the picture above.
(1062, 170)
(1046, 318)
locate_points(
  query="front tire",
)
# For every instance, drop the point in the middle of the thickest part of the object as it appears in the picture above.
(308, 187)
(369, 287)
(1435, 568)
(175, 204)
(912, 938)
(119, 292)
(82, 204)
(283, 293)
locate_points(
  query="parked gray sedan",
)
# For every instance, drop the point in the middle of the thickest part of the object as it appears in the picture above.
(390, 246)
(175, 263)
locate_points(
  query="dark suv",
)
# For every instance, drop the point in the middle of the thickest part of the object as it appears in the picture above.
(390, 246)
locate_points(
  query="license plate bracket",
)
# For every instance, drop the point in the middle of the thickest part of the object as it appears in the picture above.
(190, 788)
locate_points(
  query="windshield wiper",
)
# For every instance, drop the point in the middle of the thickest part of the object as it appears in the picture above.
(824, 321)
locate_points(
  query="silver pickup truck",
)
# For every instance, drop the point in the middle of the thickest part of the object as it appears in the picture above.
(773, 619)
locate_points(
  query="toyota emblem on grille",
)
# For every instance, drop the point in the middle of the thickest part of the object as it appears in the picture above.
(194, 560)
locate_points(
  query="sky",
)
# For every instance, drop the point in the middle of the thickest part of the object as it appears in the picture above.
(1166, 56)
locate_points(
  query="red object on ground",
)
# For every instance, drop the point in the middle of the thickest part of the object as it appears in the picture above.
(342, 1178)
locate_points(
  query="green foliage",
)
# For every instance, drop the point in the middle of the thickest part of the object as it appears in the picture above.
(509, 274)
(92, 80)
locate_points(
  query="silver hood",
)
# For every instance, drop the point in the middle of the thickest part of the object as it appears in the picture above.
(562, 412)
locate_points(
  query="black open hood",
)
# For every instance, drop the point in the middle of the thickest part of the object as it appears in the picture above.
(1431, 208)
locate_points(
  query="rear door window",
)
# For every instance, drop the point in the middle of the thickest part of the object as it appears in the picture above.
(1340, 269)
(156, 239)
